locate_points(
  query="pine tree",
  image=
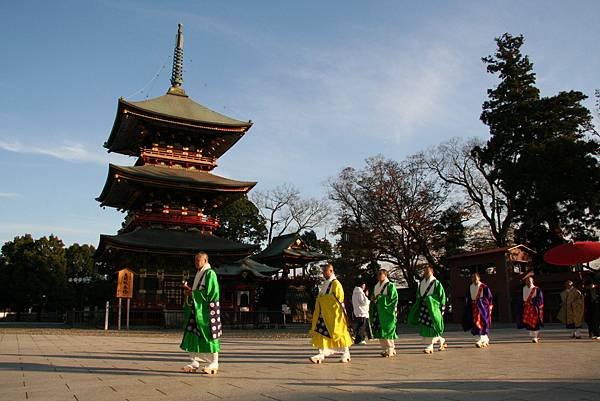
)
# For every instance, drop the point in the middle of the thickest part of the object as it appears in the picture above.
(540, 150)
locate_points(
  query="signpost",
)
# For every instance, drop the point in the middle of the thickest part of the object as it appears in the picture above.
(106, 315)
(124, 290)
(285, 310)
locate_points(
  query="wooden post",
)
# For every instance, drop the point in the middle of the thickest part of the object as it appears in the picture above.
(106, 315)
(119, 314)
(127, 317)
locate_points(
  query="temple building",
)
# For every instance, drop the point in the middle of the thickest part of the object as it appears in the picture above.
(289, 254)
(169, 196)
(503, 270)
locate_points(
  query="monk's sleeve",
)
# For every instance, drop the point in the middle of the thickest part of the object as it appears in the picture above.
(392, 296)
(338, 291)
(441, 296)
(212, 286)
(538, 300)
(487, 293)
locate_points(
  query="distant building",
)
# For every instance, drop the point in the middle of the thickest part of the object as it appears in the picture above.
(503, 270)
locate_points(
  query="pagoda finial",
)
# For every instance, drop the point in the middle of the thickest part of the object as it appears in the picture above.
(177, 74)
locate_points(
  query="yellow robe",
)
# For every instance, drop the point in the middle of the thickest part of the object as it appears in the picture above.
(329, 306)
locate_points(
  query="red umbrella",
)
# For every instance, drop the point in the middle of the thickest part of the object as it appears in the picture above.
(573, 253)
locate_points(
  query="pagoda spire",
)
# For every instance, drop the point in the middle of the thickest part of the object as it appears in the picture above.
(177, 74)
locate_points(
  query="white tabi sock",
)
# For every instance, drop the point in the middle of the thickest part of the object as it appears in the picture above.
(213, 360)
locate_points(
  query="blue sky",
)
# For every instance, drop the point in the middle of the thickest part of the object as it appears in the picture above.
(327, 84)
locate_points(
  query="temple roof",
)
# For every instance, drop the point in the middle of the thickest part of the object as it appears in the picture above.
(189, 242)
(135, 120)
(248, 265)
(288, 248)
(181, 107)
(492, 251)
(138, 122)
(124, 184)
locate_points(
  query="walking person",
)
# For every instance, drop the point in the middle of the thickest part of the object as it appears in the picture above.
(202, 318)
(530, 315)
(383, 313)
(572, 309)
(360, 307)
(329, 330)
(478, 311)
(427, 313)
(592, 309)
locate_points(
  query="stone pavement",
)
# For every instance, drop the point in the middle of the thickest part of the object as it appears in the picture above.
(58, 366)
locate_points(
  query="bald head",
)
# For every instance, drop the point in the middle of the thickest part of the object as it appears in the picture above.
(200, 260)
(327, 270)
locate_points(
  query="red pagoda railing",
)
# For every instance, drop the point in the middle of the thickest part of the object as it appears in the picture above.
(172, 218)
(177, 156)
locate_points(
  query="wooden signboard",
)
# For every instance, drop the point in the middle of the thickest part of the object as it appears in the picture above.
(125, 284)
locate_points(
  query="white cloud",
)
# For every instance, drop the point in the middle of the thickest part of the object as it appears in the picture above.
(69, 152)
(41, 229)
(9, 195)
(383, 91)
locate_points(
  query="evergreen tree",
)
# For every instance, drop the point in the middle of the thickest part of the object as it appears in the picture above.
(539, 150)
(241, 221)
(33, 274)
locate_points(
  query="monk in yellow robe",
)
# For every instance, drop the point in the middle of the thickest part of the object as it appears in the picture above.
(329, 331)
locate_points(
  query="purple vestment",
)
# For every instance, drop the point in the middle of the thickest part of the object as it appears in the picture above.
(478, 314)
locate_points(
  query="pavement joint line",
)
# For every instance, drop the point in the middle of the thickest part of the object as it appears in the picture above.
(160, 391)
(75, 396)
(234, 385)
(113, 389)
(186, 383)
(284, 387)
(340, 389)
(269, 397)
(214, 395)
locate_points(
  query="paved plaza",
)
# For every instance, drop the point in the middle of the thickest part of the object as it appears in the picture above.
(61, 365)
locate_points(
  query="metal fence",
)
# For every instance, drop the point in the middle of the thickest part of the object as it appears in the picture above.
(43, 317)
(173, 319)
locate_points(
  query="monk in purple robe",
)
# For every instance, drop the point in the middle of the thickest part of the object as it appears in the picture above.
(478, 311)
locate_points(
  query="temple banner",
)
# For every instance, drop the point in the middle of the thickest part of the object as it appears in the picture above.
(125, 284)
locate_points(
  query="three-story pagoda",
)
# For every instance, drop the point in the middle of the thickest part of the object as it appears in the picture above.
(170, 194)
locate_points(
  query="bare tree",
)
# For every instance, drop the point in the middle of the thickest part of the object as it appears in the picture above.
(456, 163)
(395, 206)
(285, 211)
(309, 213)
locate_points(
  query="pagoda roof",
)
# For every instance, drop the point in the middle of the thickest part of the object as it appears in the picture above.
(248, 265)
(176, 112)
(289, 247)
(123, 183)
(182, 108)
(170, 241)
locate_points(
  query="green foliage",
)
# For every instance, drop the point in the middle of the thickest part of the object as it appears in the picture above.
(451, 231)
(80, 260)
(309, 237)
(241, 221)
(539, 151)
(33, 274)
